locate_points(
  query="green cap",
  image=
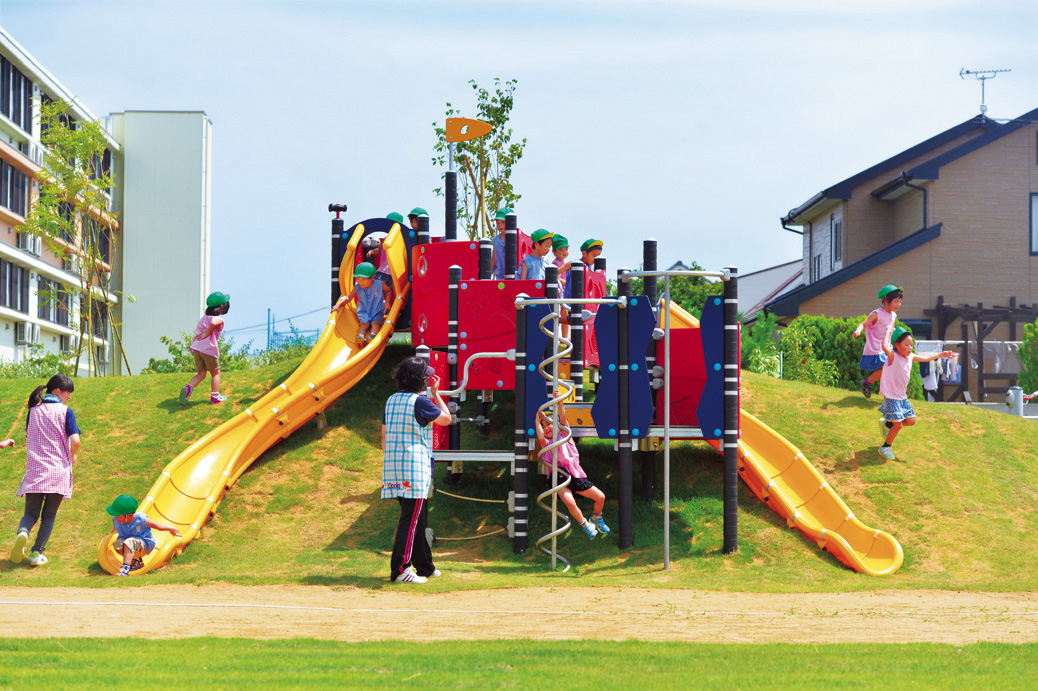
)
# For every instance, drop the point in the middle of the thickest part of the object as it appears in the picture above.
(364, 270)
(502, 212)
(898, 333)
(541, 234)
(123, 505)
(418, 211)
(215, 300)
(394, 216)
(591, 244)
(887, 290)
(558, 242)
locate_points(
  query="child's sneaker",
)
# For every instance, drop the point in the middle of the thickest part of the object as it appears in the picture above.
(18, 551)
(887, 452)
(37, 559)
(185, 393)
(136, 564)
(217, 398)
(866, 387)
(410, 576)
(124, 570)
(590, 530)
(600, 525)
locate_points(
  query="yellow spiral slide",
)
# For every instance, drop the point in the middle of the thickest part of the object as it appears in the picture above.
(191, 487)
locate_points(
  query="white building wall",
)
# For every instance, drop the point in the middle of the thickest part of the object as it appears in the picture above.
(165, 226)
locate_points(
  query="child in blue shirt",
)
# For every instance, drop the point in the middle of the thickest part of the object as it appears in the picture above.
(371, 294)
(537, 261)
(134, 531)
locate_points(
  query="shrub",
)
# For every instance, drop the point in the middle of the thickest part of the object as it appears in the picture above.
(181, 360)
(759, 351)
(799, 361)
(1028, 379)
(37, 364)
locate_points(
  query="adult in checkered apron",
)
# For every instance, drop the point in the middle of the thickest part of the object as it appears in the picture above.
(407, 465)
(51, 443)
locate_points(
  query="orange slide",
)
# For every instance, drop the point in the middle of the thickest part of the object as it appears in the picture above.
(191, 487)
(781, 476)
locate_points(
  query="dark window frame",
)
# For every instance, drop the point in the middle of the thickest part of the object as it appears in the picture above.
(1034, 223)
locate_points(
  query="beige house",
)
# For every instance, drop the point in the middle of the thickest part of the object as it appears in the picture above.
(954, 218)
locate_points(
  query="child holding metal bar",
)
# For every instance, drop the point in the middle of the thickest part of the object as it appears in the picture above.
(569, 466)
(133, 529)
(371, 295)
(894, 383)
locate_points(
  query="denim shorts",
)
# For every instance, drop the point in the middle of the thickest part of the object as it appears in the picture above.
(896, 409)
(871, 363)
(366, 317)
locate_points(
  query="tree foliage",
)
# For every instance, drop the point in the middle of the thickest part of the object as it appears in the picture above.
(484, 165)
(1028, 379)
(70, 215)
(690, 292)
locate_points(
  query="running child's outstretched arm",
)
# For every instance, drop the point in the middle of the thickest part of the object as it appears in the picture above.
(930, 357)
(871, 319)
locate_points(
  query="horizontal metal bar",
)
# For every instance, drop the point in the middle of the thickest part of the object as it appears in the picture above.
(723, 275)
(523, 302)
(495, 456)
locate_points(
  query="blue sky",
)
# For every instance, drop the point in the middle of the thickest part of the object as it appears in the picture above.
(696, 123)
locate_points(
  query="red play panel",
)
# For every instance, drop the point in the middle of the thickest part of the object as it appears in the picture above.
(486, 324)
(594, 287)
(431, 264)
(687, 378)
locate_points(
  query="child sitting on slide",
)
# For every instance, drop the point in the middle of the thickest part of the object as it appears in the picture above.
(569, 466)
(371, 295)
(134, 532)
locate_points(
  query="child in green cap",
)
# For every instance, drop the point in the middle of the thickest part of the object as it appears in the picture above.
(205, 347)
(537, 261)
(133, 529)
(371, 294)
(589, 249)
(875, 327)
(560, 248)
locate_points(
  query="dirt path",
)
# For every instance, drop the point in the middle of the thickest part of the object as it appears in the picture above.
(542, 613)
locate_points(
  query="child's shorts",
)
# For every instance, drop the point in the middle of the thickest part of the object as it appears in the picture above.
(368, 317)
(871, 363)
(210, 363)
(896, 409)
(135, 543)
(576, 484)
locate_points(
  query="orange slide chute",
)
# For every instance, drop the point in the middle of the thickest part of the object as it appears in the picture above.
(191, 487)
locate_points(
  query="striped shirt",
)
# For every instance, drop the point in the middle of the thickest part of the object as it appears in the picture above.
(407, 460)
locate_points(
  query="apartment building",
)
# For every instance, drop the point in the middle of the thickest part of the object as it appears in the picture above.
(156, 235)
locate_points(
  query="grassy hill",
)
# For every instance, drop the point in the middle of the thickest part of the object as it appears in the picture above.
(962, 498)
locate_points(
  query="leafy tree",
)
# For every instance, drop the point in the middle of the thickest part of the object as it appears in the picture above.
(71, 216)
(1028, 379)
(484, 164)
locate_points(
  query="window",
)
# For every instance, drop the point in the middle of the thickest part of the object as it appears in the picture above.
(1034, 223)
(15, 95)
(14, 286)
(835, 241)
(818, 267)
(43, 294)
(14, 189)
(61, 309)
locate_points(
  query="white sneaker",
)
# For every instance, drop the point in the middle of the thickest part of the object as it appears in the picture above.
(435, 573)
(410, 576)
(37, 559)
(18, 551)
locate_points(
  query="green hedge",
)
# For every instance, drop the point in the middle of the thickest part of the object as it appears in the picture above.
(1028, 379)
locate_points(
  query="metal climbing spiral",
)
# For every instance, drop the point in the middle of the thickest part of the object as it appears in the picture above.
(558, 439)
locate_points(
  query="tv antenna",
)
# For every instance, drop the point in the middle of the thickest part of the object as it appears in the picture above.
(982, 76)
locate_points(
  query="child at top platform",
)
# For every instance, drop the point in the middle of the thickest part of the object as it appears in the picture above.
(569, 466)
(894, 383)
(371, 295)
(560, 248)
(414, 215)
(498, 241)
(134, 532)
(876, 327)
(206, 348)
(537, 261)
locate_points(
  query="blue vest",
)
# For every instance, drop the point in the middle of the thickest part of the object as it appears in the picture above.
(407, 461)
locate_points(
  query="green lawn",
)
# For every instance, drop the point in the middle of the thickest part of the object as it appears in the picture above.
(520, 664)
(961, 499)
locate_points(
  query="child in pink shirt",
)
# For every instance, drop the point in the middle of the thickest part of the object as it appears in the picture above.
(875, 327)
(569, 466)
(206, 349)
(894, 383)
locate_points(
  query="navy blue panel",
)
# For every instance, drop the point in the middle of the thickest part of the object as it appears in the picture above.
(605, 410)
(710, 411)
(641, 320)
(536, 344)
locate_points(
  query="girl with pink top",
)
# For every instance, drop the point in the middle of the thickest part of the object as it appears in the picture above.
(569, 466)
(52, 442)
(875, 327)
(894, 384)
(206, 349)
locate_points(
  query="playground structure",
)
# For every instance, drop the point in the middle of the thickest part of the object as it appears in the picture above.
(490, 335)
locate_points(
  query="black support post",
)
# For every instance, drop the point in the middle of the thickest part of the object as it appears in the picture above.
(423, 230)
(625, 468)
(731, 412)
(450, 188)
(576, 326)
(511, 245)
(337, 229)
(647, 457)
(521, 459)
